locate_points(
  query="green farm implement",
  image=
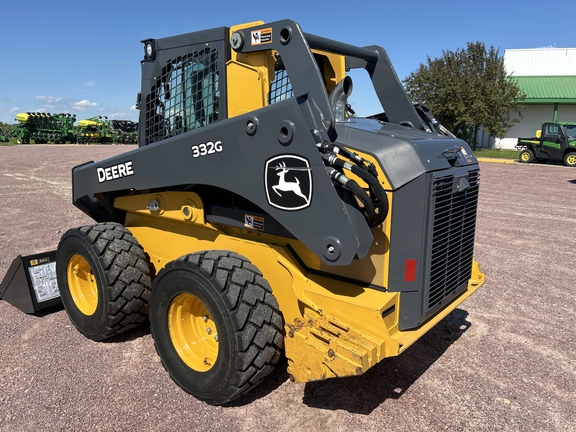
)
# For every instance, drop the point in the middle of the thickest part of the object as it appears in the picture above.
(44, 128)
(101, 130)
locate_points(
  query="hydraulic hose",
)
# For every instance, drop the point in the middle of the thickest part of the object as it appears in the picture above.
(378, 195)
(358, 160)
(352, 186)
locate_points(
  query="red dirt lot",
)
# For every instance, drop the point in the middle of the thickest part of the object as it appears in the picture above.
(505, 360)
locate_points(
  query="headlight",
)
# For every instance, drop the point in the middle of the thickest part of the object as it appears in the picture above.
(149, 51)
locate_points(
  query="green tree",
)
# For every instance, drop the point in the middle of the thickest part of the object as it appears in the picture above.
(467, 89)
(4, 129)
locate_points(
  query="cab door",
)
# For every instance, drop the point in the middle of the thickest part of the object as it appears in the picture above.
(552, 140)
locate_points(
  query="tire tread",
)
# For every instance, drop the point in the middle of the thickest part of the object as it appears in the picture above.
(255, 315)
(127, 273)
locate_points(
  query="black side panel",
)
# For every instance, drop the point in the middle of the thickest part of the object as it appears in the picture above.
(404, 153)
(410, 225)
(232, 155)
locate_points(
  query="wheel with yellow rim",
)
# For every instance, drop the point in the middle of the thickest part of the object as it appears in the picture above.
(104, 279)
(193, 332)
(570, 159)
(526, 156)
(216, 324)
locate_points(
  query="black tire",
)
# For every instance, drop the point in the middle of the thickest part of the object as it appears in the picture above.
(570, 159)
(526, 156)
(104, 279)
(216, 324)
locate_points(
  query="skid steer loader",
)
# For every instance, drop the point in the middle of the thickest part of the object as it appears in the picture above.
(259, 216)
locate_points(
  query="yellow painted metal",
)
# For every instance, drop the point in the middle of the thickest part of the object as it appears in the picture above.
(571, 159)
(193, 332)
(332, 67)
(87, 123)
(334, 328)
(248, 77)
(82, 284)
(22, 117)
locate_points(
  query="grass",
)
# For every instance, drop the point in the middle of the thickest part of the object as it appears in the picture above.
(11, 142)
(497, 153)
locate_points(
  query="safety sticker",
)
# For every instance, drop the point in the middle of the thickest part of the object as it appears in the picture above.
(43, 278)
(254, 222)
(263, 36)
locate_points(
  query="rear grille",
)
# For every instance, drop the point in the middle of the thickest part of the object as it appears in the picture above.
(452, 237)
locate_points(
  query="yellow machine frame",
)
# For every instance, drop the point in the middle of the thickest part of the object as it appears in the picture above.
(360, 328)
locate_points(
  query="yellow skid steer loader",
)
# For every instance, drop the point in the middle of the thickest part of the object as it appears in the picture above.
(260, 216)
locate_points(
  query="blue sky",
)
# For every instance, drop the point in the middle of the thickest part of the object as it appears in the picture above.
(84, 57)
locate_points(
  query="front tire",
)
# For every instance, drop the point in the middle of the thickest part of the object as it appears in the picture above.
(570, 159)
(216, 324)
(104, 279)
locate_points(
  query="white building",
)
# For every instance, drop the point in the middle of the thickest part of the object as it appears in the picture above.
(548, 77)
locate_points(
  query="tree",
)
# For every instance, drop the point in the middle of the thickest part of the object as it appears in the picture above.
(4, 129)
(468, 89)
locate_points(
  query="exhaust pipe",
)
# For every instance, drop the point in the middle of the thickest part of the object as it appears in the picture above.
(338, 98)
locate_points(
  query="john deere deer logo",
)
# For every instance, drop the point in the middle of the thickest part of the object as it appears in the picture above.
(288, 186)
(288, 182)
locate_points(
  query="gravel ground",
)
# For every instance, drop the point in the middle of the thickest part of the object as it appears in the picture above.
(505, 360)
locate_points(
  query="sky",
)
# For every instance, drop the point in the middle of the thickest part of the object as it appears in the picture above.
(84, 58)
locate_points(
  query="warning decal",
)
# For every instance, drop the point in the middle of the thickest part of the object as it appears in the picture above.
(43, 278)
(263, 36)
(254, 222)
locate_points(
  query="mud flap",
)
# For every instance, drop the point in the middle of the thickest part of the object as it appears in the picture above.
(30, 283)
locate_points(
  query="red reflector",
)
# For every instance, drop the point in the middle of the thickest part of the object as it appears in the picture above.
(410, 270)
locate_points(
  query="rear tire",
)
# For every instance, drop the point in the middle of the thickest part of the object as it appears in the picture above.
(570, 159)
(526, 156)
(104, 279)
(216, 324)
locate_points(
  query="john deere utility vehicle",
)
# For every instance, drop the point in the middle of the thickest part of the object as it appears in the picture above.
(556, 141)
(259, 216)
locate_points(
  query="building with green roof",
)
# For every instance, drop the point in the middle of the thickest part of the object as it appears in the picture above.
(548, 77)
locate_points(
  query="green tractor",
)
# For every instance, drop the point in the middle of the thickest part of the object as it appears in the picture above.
(44, 127)
(556, 141)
